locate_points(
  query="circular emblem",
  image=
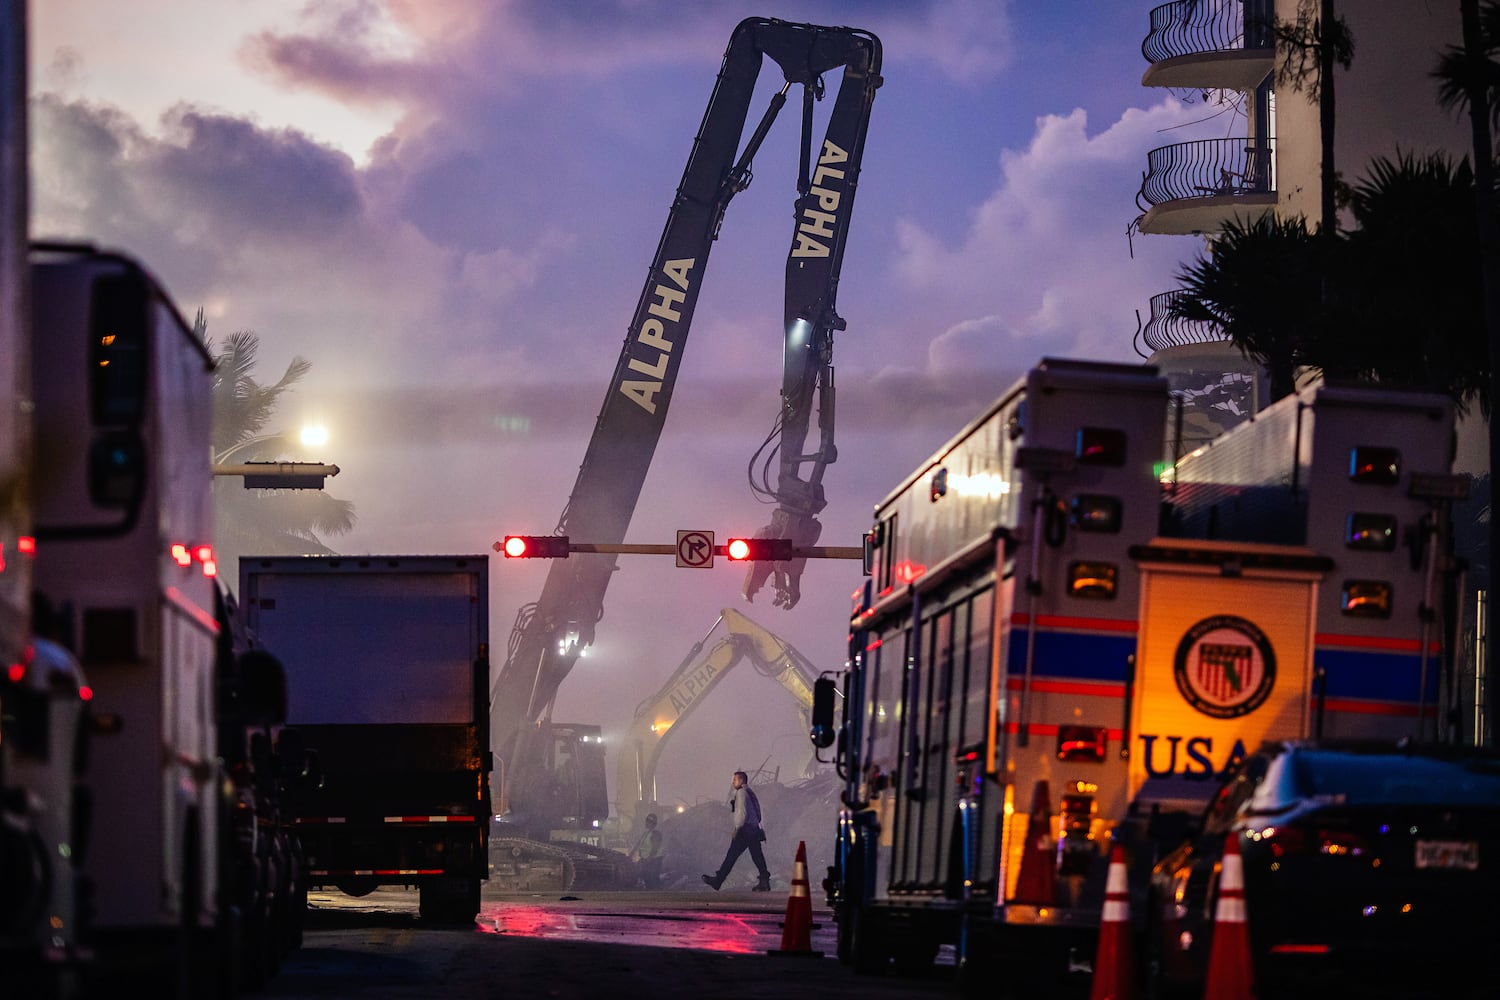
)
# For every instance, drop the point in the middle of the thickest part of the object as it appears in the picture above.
(1225, 667)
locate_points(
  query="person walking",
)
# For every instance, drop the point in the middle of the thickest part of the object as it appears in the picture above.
(744, 807)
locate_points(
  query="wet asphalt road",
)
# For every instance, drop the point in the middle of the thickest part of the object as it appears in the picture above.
(587, 944)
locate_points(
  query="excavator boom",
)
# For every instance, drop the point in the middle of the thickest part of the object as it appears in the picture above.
(657, 717)
(549, 635)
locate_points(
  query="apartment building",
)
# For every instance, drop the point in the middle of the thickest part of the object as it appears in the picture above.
(1266, 156)
(1265, 153)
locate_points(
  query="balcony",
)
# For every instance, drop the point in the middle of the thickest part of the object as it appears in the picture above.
(1210, 44)
(1196, 187)
(1164, 330)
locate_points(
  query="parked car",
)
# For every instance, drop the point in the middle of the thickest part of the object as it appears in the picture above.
(1370, 869)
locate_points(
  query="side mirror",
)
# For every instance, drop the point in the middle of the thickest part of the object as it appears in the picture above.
(823, 730)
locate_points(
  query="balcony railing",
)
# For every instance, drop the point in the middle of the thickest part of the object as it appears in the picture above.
(1198, 27)
(1208, 168)
(1164, 329)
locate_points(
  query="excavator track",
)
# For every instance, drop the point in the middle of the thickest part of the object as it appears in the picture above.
(518, 864)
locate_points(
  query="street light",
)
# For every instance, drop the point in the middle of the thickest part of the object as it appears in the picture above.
(275, 475)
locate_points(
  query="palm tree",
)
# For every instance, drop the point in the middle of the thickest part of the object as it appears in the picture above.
(1262, 285)
(1397, 299)
(1469, 78)
(261, 522)
(1409, 283)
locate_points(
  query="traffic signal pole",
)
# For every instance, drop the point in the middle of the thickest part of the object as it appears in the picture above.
(807, 552)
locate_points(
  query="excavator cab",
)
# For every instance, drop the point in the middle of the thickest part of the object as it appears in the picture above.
(567, 799)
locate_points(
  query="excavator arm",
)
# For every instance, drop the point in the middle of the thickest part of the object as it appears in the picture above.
(658, 716)
(826, 186)
(549, 635)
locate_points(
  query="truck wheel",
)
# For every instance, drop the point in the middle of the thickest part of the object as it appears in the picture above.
(848, 910)
(868, 944)
(297, 911)
(845, 918)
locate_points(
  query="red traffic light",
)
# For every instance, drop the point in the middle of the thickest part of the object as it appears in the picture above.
(758, 549)
(535, 546)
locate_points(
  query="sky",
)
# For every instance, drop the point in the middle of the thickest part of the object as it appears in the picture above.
(449, 207)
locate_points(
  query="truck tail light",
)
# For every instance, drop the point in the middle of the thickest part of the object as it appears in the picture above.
(1081, 743)
(184, 555)
(1092, 579)
(1365, 599)
(1096, 512)
(1371, 532)
(1377, 466)
(1100, 446)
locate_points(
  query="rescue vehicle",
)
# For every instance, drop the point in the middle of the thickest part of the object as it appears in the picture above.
(1065, 637)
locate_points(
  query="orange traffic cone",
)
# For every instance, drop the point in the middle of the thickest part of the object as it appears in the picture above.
(1036, 885)
(1230, 976)
(1114, 964)
(796, 931)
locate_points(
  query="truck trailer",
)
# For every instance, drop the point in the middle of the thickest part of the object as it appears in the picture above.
(387, 669)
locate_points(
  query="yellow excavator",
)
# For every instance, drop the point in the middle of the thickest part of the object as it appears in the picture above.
(659, 715)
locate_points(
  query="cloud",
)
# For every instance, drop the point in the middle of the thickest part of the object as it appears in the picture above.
(349, 49)
(232, 176)
(1040, 252)
(280, 234)
(463, 290)
(968, 41)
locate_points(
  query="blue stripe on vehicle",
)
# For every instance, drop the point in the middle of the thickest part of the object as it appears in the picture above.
(1074, 655)
(1378, 676)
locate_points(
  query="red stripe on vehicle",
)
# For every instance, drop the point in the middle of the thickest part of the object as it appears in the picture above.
(366, 872)
(1069, 621)
(1099, 690)
(429, 819)
(1336, 641)
(1356, 707)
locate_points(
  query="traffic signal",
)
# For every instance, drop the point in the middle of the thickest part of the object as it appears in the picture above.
(758, 549)
(535, 546)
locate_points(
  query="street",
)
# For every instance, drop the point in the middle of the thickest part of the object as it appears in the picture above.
(582, 944)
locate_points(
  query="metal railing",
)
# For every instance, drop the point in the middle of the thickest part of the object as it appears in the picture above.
(1165, 329)
(1193, 27)
(1208, 168)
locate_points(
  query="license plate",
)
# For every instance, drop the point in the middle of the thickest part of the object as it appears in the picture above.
(1448, 854)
